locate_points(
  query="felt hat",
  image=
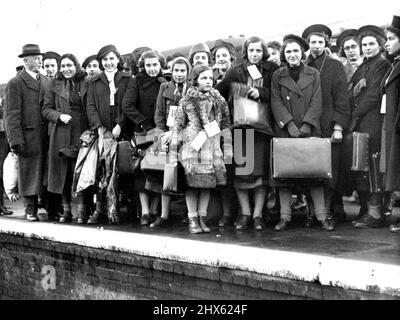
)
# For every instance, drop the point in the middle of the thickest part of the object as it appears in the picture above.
(223, 44)
(344, 35)
(88, 60)
(371, 30)
(317, 28)
(197, 69)
(106, 50)
(395, 26)
(30, 50)
(51, 55)
(200, 47)
(292, 37)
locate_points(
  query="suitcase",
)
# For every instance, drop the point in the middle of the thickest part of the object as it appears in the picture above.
(360, 151)
(301, 158)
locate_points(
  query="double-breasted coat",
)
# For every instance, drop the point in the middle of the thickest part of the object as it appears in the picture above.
(335, 104)
(365, 100)
(98, 104)
(24, 125)
(57, 102)
(391, 128)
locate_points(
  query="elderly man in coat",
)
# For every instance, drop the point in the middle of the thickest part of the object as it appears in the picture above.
(336, 111)
(23, 123)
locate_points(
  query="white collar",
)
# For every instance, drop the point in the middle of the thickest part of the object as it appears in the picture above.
(110, 75)
(31, 73)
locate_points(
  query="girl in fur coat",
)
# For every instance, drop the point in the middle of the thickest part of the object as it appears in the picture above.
(201, 120)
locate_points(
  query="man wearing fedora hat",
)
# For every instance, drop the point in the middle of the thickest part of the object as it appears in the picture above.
(23, 123)
(335, 115)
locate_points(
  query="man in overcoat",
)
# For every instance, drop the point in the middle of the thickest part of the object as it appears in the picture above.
(23, 124)
(336, 111)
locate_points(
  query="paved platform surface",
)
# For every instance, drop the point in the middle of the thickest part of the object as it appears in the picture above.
(347, 257)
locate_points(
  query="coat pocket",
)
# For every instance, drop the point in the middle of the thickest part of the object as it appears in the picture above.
(32, 141)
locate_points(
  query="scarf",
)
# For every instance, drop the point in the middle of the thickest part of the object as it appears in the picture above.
(110, 77)
(295, 72)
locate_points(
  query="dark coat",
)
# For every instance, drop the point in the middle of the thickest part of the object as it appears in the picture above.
(365, 100)
(25, 125)
(335, 105)
(300, 102)
(57, 102)
(139, 103)
(166, 98)
(98, 103)
(391, 131)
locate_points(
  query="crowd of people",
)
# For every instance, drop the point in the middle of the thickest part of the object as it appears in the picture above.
(187, 104)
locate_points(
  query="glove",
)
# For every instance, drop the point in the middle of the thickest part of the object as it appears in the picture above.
(337, 136)
(19, 148)
(305, 130)
(293, 130)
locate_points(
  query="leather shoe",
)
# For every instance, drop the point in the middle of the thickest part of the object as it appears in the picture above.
(159, 223)
(243, 222)
(282, 225)
(32, 217)
(258, 224)
(203, 224)
(194, 226)
(310, 221)
(328, 224)
(145, 220)
(4, 210)
(224, 221)
(395, 227)
(368, 221)
(94, 218)
(66, 217)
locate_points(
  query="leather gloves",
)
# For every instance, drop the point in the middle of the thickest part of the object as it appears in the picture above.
(293, 130)
(305, 130)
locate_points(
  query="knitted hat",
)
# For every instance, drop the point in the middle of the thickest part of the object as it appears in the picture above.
(395, 26)
(106, 50)
(88, 60)
(197, 69)
(51, 55)
(200, 47)
(302, 43)
(184, 60)
(317, 28)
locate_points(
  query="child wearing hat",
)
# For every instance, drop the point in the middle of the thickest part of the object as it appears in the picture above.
(202, 118)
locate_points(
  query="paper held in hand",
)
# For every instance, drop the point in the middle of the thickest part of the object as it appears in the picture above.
(254, 73)
(200, 139)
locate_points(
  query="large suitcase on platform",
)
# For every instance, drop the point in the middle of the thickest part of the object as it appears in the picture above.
(301, 158)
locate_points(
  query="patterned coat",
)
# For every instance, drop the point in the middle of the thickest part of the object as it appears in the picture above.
(204, 168)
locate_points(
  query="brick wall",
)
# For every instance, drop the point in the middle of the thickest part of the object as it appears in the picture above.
(27, 266)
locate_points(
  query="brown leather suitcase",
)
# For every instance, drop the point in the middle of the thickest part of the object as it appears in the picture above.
(360, 152)
(298, 158)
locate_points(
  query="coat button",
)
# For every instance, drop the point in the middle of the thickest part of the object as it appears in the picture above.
(287, 98)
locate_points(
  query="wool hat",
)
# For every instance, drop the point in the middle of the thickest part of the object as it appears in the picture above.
(292, 37)
(223, 44)
(51, 55)
(197, 69)
(317, 28)
(200, 47)
(395, 26)
(106, 50)
(345, 35)
(186, 61)
(30, 50)
(371, 30)
(88, 60)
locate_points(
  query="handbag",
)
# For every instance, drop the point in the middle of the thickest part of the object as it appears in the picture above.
(174, 178)
(154, 161)
(128, 157)
(301, 158)
(250, 113)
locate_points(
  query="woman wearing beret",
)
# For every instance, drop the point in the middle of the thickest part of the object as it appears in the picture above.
(201, 154)
(390, 85)
(350, 51)
(139, 106)
(365, 102)
(224, 56)
(168, 100)
(104, 107)
(64, 108)
(296, 102)
(91, 65)
(258, 84)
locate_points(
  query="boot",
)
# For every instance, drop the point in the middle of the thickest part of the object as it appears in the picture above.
(31, 208)
(203, 224)
(99, 212)
(67, 215)
(3, 209)
(194, 226)
(81, 214)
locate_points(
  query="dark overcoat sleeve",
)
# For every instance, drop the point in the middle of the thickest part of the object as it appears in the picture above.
(130, 103)
(49, 111)
(91, 108)
(13, 112)
(160, 116)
